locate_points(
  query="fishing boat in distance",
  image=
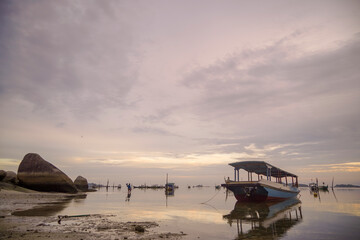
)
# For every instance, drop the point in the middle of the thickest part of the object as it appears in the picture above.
(314, 187)
(262, 189)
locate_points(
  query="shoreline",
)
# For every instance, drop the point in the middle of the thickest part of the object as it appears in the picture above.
(17, 220)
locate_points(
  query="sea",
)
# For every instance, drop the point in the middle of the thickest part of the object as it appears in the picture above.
(210, 213)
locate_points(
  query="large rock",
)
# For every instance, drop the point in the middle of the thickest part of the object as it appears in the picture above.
(81, 183)
(37, 174)
(2, 174)
(10, 177)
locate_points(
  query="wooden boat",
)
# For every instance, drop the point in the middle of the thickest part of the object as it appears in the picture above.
(262, 189)
(313, 187)
(324, 188)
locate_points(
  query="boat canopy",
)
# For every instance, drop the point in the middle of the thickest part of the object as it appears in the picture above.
(261, 168)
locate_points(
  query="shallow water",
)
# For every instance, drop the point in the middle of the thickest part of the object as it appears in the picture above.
(208, 213)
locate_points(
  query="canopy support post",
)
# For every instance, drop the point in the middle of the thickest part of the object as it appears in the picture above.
(270, 174)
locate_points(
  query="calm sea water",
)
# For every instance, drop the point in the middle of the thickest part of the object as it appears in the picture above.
(209, 213)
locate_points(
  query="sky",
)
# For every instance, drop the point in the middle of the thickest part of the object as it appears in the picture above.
(133, 90)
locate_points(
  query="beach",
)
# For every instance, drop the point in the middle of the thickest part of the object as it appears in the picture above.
(17, 203)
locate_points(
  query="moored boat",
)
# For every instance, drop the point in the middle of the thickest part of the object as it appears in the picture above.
(313, 187)
(262, 189)
(324, 188)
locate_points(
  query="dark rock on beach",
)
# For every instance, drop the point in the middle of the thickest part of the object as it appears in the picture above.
(10, 177)
(37, 174)
(139, 228)
(2, 174)
(81, 183)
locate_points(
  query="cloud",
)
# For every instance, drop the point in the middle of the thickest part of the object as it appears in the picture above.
(138, 77)
(74, 59)
(337, 167)
(279, 95)
(153, 130)
(273, 76)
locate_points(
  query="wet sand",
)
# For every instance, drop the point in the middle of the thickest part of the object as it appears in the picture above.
(15, 201)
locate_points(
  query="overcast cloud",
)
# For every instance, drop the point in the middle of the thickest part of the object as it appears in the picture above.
(132, 90)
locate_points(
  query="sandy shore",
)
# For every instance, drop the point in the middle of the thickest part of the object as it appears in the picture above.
(16, 201)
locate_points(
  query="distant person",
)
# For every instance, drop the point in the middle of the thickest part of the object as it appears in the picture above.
(128, 196)
(128, 187)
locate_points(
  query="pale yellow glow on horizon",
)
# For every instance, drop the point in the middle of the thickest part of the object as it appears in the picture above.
(167, 160)
(334, 167)
(8, 162)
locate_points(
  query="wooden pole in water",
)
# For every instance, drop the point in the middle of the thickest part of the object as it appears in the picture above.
(332, 185)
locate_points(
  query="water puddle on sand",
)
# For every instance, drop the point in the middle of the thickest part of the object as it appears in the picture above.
(49, 209)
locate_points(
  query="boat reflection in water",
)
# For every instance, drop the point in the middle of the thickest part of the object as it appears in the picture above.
(266, 220)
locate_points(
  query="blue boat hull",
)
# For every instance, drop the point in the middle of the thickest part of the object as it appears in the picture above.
(259, 193)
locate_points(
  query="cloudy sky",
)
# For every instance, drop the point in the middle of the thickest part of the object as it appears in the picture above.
(132, 90)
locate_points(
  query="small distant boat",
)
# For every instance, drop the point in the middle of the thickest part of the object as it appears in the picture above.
(261, 189)
(313, 187)
(170, 186)
(119, 186)
(324, 188)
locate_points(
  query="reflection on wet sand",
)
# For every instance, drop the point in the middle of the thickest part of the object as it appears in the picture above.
(50, 209)
(265, 220)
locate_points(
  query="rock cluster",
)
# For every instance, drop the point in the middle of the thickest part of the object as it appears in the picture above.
(8, 177)
(2, 175)
(81, 183)
(37, 174)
